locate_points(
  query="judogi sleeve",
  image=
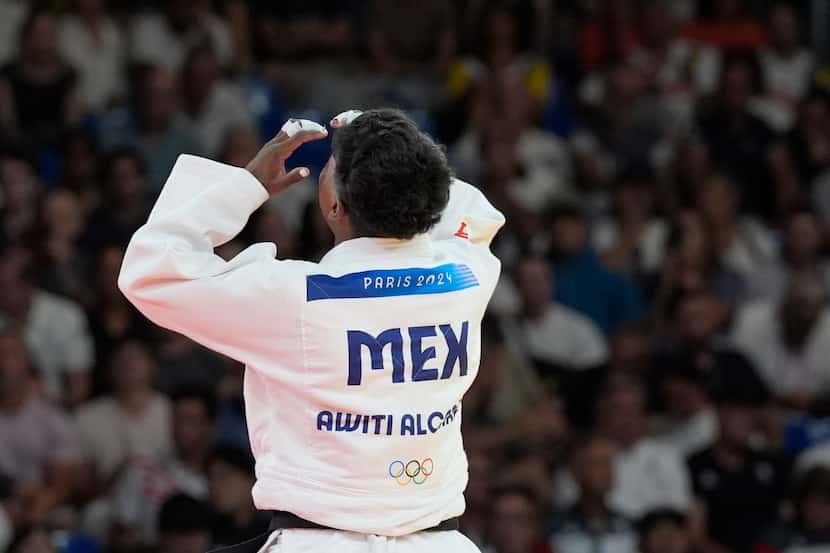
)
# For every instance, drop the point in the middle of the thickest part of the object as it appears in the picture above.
(171, 274)
(469, 214)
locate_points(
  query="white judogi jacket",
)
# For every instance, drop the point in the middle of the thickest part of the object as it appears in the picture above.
(356, 365)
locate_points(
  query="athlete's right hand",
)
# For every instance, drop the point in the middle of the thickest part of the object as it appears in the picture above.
(268, 165)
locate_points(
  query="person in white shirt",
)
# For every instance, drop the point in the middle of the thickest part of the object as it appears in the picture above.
(93, 44)
(163, 39)
(134, 422)
(147, 483)
(743, 243)
(39, 452)
(550, 332)
(213, 106)
(355, 366)
(591, 523)
(789, 340)
(787, 67)
(632, 239)
(801, 248)
(54, 328)
(691, 422)
(648, 474)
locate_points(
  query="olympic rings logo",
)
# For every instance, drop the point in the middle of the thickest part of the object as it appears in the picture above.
(413, 472)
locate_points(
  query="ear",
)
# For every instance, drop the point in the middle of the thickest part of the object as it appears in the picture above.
(337, 210)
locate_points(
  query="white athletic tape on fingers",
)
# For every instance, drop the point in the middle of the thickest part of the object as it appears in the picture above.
(347, 117)
(293, 126)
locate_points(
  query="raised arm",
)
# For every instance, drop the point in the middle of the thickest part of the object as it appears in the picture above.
(468, 215)
(171, 274)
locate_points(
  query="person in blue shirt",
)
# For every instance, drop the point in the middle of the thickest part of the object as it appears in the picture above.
(581, 282)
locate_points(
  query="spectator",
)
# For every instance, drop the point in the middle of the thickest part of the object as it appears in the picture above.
(738, 141)
(694, 338)
(37, 90)
(648, 474)
(230, 478)
(680, 68)
(592, 524)
(787, 65)
(582, 283)
(54, 329)
(268, 226)
(213, 106)
(475, 522)
(147, 483)
(742, 243)
(124, 206)
(739, 488)
(185, 525)
(92, 42)
(292, 30)
(21, 192)
(163, 39)
(40, 451)
(809, 528)
(404, 38)
(132, 422)
(631, 351)
(664, 531)
(158, 132)
(807, 149)
(695, 320)
(523, 167)
(788, 339)
(611, 34)
(693, 264)
(633, 239)
(240, 145)
(163, 136)
(183, 363)
(552, 333)
(800, 252)
(79, 168)
(690, 164)
(691, 423)
(507, 405)
(564, 346)
(60, 263)
(111, 317)
(623, 128)
(231, 425)
(516, 522)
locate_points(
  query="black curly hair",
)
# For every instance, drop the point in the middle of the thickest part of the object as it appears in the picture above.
(394, 180)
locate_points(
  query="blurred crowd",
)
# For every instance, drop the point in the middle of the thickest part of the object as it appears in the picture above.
(655, 371)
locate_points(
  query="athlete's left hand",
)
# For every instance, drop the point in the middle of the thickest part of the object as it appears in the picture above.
(344, 118)
(268, 165)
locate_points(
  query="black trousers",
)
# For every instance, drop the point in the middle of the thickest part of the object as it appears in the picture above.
(283, 520)
(250, 546)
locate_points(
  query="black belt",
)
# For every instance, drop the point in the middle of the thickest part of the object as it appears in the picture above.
(283, 520)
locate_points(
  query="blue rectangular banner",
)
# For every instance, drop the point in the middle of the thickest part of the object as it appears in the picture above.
(391, 282)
